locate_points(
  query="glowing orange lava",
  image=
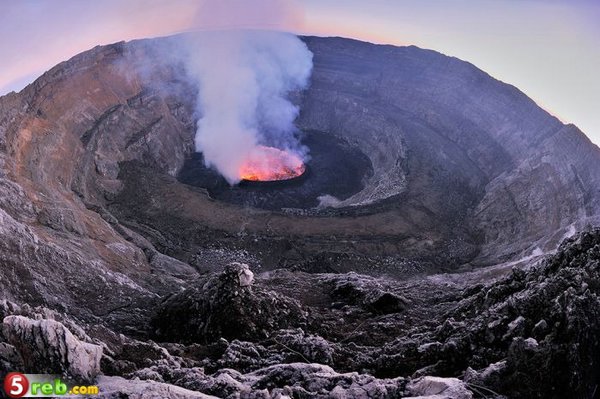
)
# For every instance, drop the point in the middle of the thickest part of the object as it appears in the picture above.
(270, 164)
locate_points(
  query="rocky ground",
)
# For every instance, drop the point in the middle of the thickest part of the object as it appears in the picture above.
(531, 334)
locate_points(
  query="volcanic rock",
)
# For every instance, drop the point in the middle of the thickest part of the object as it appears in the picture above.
(367, 293)
(438, 388)
(225, 305)
(482, 332)
(117, 387)
(320, 381)
(10, 359)
(489, 326)
(47, 347)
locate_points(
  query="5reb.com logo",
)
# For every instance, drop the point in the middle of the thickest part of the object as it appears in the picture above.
(17, 385)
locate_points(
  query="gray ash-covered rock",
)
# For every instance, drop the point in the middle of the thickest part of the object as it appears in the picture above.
(367, 293)
(527, 335)
(48, 347)
(118, 388)
(545, 323)
(438, 388)
(225, 305)
(531, 334)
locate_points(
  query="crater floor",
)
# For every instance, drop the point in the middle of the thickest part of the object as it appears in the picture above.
(334, 168)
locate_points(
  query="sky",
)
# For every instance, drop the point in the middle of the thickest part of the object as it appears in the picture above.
(550, 49)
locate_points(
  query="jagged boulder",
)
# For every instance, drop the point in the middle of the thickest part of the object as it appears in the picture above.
(244, 356)
(225, 305)
(366, 292)
(309, 347)
(438, 388)
(10, 359)
(117, 388)
(48, 347)
(320, 381)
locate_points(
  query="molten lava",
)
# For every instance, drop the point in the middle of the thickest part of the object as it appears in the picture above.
(270, 164)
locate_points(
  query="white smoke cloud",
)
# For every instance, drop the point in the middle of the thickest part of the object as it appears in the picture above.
(244, 78)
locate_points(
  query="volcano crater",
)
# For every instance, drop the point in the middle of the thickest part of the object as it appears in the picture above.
(335, 171)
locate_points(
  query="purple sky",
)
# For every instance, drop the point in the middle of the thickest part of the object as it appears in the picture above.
(550, 49)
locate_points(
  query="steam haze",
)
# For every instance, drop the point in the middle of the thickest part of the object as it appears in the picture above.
(244, 77)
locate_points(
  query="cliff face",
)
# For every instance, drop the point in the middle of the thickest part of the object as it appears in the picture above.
(62, 138)
(466, 170)
(457, 144)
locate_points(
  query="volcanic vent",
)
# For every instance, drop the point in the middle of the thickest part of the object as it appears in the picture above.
(278, 179)
(271, 164)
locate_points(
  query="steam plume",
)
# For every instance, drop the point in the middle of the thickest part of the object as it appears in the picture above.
(244, 78)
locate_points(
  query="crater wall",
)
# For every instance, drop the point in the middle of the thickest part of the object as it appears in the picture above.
(463, 171)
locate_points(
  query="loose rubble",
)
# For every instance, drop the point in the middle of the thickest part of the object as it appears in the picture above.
(513, 338)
